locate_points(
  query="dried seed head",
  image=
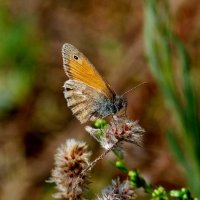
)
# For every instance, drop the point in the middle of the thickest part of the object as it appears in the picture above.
(120, 128)
(70, 160)
(118, 191)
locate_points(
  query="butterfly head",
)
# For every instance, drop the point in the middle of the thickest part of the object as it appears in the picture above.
(120, 102)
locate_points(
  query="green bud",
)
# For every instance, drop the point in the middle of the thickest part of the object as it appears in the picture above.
(185, 191)
(121, 166)
(100, 123)
(136, 179)
(161, 189)
(185, 197)
(133, 174)
(175, 193)
(159, 194)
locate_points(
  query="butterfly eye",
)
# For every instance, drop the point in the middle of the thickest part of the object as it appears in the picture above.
(76, 57)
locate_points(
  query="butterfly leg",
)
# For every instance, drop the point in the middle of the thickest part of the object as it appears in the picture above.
(114, 122)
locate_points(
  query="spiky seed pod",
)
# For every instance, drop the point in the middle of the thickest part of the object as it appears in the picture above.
(70, 160)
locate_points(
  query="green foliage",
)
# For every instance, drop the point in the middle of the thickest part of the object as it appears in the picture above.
(19, 53)
(161, 46)
(182, 194)
(158, 193)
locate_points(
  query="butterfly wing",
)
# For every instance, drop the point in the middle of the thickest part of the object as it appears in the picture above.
(85, 102)
(88, 95)
(78, 67)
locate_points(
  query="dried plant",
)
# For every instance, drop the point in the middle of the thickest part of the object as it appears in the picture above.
(120, 129)
(118, 191)
(70, 160)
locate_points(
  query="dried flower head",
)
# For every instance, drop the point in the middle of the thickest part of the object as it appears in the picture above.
(118, 191)
(70, 160)
(120, 129)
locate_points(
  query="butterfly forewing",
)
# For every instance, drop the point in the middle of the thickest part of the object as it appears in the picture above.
(78, 67)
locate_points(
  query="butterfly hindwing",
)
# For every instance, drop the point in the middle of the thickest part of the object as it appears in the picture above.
(84, 102)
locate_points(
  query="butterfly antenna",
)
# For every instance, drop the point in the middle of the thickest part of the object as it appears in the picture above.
(134, 88)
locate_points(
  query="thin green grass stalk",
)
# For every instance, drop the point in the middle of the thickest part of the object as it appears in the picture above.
(159, 40)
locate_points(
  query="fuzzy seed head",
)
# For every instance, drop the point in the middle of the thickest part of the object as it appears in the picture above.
(70, 160)
(120, 128)
(118, 191)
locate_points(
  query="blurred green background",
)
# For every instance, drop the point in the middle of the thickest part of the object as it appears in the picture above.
(129, 42)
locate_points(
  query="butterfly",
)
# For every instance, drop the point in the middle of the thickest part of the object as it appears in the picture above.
(88, 94)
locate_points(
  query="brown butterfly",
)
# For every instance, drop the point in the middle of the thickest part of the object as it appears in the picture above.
(88, 94)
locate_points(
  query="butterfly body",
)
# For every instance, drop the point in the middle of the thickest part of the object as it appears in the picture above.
(88, 95)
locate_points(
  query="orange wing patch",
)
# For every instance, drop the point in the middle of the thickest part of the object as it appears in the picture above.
(78, 67)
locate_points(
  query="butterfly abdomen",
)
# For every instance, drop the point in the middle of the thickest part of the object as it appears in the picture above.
(105, 107)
